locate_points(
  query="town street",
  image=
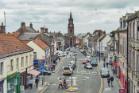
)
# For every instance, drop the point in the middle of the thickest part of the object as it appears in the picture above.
(86, 80)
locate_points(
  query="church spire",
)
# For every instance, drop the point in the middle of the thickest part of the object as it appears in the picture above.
(70, 15)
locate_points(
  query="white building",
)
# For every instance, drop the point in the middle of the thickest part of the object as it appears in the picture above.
(103, 43)
(40, 48)
(15, 59)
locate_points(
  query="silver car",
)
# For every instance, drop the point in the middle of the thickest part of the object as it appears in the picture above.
(104, 72)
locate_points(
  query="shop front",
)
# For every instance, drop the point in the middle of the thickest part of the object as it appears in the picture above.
(13, 83)
(1, 86)
(123, 80)
(23, 79)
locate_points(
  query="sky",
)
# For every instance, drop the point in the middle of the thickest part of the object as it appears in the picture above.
(88, 15)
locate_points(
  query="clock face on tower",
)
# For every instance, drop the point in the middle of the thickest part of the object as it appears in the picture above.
(70, 25)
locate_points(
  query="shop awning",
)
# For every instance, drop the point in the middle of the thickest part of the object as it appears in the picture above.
(34, 72)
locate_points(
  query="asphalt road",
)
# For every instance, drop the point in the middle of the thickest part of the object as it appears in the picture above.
(87, 81)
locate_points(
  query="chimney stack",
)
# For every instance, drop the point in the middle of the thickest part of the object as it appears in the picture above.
(42, 29)
(31, 25)
(23, 26)
(2, 28)
(46, 30)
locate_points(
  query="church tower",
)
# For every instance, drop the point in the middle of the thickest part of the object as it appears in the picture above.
(70, 38)
(70, 25)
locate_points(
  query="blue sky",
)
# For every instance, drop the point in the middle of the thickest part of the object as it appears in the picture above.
(88, 14)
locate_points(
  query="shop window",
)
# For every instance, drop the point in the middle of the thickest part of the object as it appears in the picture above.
(137, 25)
(1, 68)
(138, 83)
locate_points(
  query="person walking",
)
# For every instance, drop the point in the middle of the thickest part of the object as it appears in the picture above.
(60, 83)
(107, 64)
(111, 79)
(37, 81)
(108, 81)
(104, 64)
(104, 59)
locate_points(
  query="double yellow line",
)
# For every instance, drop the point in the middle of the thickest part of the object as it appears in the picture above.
(102, 81)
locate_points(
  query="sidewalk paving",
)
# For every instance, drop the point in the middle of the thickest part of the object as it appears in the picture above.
(37, 90)
(41, 88)
(115, 88)
(106, 88)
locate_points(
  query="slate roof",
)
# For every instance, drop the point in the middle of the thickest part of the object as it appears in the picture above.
(45, 37)
(10, 45)
(28, 36)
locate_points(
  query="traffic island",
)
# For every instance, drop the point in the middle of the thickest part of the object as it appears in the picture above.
(72, 89)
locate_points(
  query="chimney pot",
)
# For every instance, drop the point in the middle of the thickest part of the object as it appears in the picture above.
(22, 24)
(46, 30)
(31, 25)
(2, 28)
(42, 29)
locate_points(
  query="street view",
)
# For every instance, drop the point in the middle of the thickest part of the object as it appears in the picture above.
(69, 46)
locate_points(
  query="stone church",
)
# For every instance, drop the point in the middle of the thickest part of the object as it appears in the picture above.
(70, 38)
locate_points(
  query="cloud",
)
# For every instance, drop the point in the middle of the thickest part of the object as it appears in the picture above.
(88, 14)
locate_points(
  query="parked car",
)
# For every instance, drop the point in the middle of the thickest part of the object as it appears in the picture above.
(85, 61)
(88, 66)
(67, 70)
(94, 62)
(104, 72)
(47, 73)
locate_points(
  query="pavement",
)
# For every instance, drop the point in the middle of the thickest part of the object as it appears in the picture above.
(41, 88)
(106, 88)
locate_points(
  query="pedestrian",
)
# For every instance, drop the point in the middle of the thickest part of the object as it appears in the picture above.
(112, 79)
(108, 81)
(60, 83)
(104, 59)
(31, 82)
(107, 64)
(113, 70)
(104, 64)
(37, 81)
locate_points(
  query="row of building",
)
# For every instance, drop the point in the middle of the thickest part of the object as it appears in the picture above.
(126, 45)
(122, 43)
(22, 49)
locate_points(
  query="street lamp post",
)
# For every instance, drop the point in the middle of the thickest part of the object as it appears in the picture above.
(99, 47)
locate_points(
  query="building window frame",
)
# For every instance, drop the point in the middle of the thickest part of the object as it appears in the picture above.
(11, 65)
(22, 61)
(1, 68)
(17, 63)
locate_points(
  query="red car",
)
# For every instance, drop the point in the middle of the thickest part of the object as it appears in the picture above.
(85, 61)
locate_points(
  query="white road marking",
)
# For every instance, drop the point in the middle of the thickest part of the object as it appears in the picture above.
(107, 89)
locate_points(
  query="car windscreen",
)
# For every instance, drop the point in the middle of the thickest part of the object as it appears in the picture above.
(66, 68)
